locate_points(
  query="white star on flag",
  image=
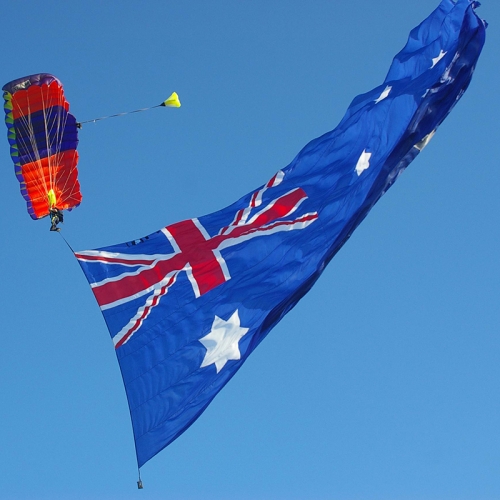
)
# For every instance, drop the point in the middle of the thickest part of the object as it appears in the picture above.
(222, 341)
(435, 60)
(363, 162)
(423, 143)
(384, 94)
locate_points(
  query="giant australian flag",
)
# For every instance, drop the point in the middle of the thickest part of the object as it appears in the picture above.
(187, 305)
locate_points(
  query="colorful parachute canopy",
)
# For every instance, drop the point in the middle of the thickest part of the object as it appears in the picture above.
(43, 137)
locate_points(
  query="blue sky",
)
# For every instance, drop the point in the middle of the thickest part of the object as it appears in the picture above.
(383, 383)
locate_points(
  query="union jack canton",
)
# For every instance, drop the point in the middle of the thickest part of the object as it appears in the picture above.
(193, 251)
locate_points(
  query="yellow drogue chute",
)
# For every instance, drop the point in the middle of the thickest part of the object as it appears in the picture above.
(172, 102)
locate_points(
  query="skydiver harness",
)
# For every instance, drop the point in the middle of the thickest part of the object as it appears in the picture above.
(56, 216)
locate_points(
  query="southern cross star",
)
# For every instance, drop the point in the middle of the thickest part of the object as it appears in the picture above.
(435, 60)
(363, 162)
(222, 341)
(384, 94)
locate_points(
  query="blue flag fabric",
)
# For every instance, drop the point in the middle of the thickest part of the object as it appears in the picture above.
(186, 306)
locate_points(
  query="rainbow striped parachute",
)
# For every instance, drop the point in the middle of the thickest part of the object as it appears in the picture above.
(43, 137)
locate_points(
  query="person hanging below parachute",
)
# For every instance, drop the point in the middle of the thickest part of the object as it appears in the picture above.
(43, 138)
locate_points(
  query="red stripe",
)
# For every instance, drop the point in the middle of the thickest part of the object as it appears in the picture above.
(113, 260)
(143, 315)
(281, 208)
(250, 230)
(131, 285)
(254, 197)
(271, 182)
(36, 98)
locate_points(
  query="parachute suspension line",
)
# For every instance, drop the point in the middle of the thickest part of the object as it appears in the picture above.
(171, 102)
(48, 128)
(40, 181)
(139, 481)
(42, 187)
(26, 120)
(60, 122)
(48, 188)
(55, 129)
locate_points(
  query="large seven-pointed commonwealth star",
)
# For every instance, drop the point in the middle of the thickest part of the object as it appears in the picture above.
(222, 341)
